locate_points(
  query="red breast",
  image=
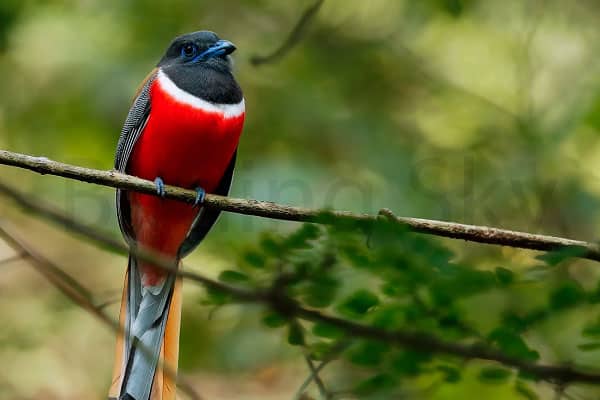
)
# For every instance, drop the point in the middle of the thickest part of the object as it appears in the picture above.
(188, 142)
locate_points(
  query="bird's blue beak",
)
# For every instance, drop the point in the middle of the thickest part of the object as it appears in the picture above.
(222, 47)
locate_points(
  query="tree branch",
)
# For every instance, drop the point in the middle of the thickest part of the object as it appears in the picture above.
(292, 39)
(265, 209)
(78, 294)
(314, 373)
(285, 305)
(314, 370)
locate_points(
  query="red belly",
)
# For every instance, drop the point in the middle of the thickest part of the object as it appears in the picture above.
(186, 147)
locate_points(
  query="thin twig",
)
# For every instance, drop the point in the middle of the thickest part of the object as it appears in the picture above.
(64, 282)
(331, 356)
(315, 374)
(308, 380)
(293, 38)
(559, 392)
(11, 259)
(266, 209)
(107, 303)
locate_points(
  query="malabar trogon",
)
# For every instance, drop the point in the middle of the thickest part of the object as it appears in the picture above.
(183, 130)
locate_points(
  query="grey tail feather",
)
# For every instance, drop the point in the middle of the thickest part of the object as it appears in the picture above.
(147, 313)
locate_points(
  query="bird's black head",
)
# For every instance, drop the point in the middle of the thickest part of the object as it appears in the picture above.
(201, 48)
(200, 63)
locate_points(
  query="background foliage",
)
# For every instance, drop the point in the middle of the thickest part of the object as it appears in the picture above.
(478, 111)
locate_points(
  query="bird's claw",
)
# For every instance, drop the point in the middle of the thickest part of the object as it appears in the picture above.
(200, 195)
(160, 186)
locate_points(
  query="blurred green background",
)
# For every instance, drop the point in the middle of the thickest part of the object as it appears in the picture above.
(477, 111)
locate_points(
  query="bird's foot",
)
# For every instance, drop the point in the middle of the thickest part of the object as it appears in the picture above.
(160, 186)
(200, 195)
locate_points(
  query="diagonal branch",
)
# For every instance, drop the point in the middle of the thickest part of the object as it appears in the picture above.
(265, 209)
(314, 373)
(64, 282)
(285, 305)
(77, 293)
(316, 369)
(293, 38)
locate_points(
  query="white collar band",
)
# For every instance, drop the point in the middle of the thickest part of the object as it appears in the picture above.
(183, 97)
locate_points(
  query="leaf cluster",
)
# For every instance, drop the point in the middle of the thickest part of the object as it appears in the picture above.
(394, 279)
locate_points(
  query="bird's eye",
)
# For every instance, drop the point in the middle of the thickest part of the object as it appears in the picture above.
(189, 50)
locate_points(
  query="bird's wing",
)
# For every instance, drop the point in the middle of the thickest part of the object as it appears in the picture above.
(132, 129)
(207, 216)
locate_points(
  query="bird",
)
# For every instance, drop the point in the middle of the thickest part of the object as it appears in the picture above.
(182, 129)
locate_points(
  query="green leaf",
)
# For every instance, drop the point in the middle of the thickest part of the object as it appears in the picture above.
(368, 353)
(320, 350)
(230, 276)
(556, 257)
(216, 297)
(594, 295)
(451, 374)
(524, 390)
(296, 334)
(457, 281)
(512, 344)
(328, 331)
(436, 255)
(452, 319)
(568, 295)
(358, 303)
(593, 346)
(505, 276)
(301, 237)
(356, 253)
(494, 375)
(389, 316)
(376, 383)
(528, 376)
(592, 330)
(513, 321)
(320, 291)
(254, 259)
(409, 362)
(274, 320)
(394, 288)
(270, 244)
(518, 323)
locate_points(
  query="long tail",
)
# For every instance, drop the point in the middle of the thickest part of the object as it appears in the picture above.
(148, 344)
